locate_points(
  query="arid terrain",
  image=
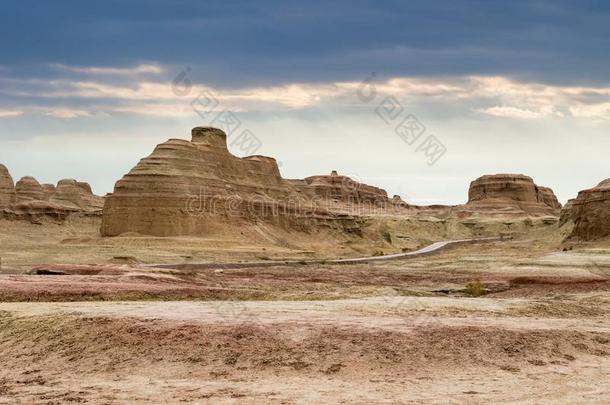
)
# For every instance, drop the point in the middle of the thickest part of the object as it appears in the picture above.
(322, 290)
(513, 321)
(305, 202)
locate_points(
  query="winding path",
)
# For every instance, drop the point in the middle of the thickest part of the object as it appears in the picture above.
(434, 248)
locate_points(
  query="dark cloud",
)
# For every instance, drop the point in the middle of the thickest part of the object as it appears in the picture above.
(244, 42)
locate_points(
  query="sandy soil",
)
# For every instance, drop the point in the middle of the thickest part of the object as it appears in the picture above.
(519, 321)
(376, 350)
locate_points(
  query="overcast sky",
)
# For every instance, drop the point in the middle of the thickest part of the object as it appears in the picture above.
(474, 87)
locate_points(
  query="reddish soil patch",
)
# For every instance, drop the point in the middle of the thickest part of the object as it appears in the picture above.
(543, 286)
(94, 342)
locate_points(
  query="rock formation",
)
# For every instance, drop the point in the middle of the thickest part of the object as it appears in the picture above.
(72, 193)
(29, 200)
(48, 189)
(548, 197)
(590, 212)
(567, 212)
(511, 194)
(7, 188)
(344, 188)
(29, 189)
(190, 187)
(398, 201)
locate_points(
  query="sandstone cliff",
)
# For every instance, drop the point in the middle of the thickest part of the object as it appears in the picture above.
(511, 194)
(590, 212)
(191, 187)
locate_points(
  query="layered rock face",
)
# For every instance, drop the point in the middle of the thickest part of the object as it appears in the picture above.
(29, 200)
(7, 188)
(70, 192)
(514, 194)
(344, 188)
(29, 189)
(548, 197)
(49, 190)
(590, 212)
(186, 188)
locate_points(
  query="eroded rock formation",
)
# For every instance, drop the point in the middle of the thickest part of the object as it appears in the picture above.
(190, 187)
(511, 194)
(398, 201)
(344, 188)
(548, 197)
(590, 212)
(49, 190)
(29, 189)
(72, 193)
(7, 188)
(29, 200)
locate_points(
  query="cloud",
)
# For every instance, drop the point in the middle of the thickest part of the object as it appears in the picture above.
(113, 71)
(157, 109)
(10, 113)
(494, 96)
(67, 113)
(520, 113)
(599, 111)
(235, 42)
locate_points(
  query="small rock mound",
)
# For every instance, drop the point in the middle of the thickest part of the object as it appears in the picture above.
(72, 193)
(29, 189)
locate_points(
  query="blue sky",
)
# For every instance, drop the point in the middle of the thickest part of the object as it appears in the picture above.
(506, 86)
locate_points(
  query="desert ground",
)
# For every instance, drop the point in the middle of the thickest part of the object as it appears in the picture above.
(88, 319)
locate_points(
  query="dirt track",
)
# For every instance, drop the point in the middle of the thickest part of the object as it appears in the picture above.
(433, 248)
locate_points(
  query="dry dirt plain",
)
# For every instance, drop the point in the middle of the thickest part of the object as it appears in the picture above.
(515, 321)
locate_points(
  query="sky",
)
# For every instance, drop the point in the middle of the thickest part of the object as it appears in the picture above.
(417, 97)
